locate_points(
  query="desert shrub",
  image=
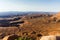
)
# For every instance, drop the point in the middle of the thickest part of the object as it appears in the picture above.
(33, 32)
(25, 33)
(24, 38)
(39, 35)
(58, 20)
(54, 19)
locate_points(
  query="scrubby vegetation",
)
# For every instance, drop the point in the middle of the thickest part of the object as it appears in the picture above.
(24, 38)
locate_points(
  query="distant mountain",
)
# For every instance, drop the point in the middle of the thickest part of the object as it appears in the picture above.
(12, 13)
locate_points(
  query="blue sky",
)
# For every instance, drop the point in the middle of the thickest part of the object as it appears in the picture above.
(30, 5)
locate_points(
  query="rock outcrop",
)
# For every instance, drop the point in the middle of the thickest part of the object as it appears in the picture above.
(10, 37)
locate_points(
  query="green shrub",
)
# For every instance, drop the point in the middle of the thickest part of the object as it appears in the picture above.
(24, 38)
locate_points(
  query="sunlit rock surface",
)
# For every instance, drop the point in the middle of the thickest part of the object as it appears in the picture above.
(48, 38)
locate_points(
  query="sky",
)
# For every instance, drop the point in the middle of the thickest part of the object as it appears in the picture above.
(30, 5)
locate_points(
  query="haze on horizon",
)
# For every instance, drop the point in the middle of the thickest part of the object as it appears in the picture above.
(30, 5)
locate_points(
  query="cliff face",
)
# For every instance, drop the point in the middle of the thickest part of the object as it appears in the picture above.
(10, 26)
